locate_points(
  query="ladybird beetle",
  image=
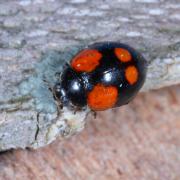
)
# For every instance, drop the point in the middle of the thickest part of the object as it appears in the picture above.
(102, 76)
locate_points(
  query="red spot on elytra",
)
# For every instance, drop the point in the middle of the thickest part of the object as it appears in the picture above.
(86, 60)
(102, 97)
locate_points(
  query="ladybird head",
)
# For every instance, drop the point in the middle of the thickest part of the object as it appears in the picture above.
(70, 89)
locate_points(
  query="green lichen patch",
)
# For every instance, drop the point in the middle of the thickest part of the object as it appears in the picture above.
(44, 78)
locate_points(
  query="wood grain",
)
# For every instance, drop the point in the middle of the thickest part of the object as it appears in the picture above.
(142, 143)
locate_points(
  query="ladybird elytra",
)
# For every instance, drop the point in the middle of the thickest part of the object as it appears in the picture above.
(104, 75)
(86, 61)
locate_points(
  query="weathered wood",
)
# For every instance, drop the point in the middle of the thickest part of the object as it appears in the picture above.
(139, 141)
(30, 28)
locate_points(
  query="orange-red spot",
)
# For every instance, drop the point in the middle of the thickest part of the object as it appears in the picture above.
(102, 97)
(86, 60)
(123, 54)
(131, 74)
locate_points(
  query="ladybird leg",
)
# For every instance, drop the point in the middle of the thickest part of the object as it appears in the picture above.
(76, 109)
(94, 114)
(59, 106)
(58, 76)
(47, 84)
(58, 103)
(115, 110)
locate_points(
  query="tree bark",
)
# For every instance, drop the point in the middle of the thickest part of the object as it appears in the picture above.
(38, 36)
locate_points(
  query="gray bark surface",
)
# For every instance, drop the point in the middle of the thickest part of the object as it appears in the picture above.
(29, 29)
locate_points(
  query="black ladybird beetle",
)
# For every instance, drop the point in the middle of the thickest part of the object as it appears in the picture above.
(102, 76)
